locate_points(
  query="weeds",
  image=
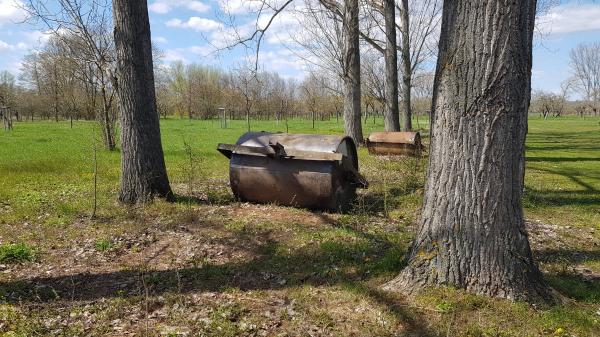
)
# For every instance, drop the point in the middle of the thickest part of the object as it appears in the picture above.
(104, 245)
(16, 253)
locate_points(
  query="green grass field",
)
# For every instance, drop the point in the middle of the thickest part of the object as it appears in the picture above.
(207, 265)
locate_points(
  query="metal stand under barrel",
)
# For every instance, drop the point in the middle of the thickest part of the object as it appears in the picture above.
(310, 171)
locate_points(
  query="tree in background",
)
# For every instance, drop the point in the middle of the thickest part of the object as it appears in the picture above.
(82, 28)
(417, 27)
(7, 89)
(472, 233)
(407, 66)
(351, 72)
(548, 104)
(585, 66)
(143, 170)
(391, 115)
(376, 89)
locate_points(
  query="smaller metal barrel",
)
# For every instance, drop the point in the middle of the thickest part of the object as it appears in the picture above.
(395, 143)
(309, 171)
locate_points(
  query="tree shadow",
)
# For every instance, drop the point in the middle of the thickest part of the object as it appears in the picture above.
(380, 202)
(218, 196)
(562, 141)
(574, 284)
(341, 263)
(560, 198)
(331, 263)
(568, 256)
(561, 159)
(589, 195)
(347, 264)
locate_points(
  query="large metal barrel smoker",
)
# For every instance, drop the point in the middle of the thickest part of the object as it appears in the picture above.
(395, 143)
(310, 171)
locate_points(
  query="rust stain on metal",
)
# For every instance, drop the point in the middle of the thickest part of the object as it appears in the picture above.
(395, 143)
(311, 171)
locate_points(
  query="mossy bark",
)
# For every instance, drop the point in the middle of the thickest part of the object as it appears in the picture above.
(472, 233)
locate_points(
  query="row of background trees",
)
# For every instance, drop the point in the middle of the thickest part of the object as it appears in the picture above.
(55, 84)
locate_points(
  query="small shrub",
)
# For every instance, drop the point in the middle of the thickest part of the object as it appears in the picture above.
(16, 253)
(445, 306)
(103, 245)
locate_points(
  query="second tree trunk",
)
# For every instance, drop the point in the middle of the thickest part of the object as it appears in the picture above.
(352, 115)
(472, 234)
(144, 174)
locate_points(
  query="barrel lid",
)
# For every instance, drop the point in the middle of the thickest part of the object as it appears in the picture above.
(395, 137)
(304, 142)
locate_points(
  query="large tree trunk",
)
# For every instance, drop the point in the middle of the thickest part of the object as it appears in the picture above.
(407, 67)
(391, 118)
(472, 234)
(352, 117)
(144, 174)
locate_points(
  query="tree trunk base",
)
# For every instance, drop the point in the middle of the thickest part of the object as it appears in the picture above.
(132, 197)
(411, 281)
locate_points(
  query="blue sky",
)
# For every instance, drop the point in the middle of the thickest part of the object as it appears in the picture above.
(189, 31)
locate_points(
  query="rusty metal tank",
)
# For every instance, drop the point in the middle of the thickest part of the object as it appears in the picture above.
(309, 171)
(395, 143)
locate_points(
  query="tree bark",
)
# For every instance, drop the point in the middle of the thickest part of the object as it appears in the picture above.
(351, 58)
(407, 67)
(392, 117)
(472, 233)
(106, 123)
(144, 174)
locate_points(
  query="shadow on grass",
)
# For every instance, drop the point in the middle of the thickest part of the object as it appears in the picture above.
(378, 202)
(576, 285)
(589, 195)
(535, 198)
(347, 264)
(561, 159)
(331, 263)
(215, 197)
(568, 256)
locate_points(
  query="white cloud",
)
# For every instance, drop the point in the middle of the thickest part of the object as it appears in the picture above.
(282, 61)
(172, 55)
(10, 11)
(203, 51)
(185, 54)
(165, 6)
(12, 47)
(37, 37)
(237, 7)
(159, 39)
(282, 27)
(196, 23)
(160, 7)
(570, 18)
(280, 31)
(4, 46)
(197, 6)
